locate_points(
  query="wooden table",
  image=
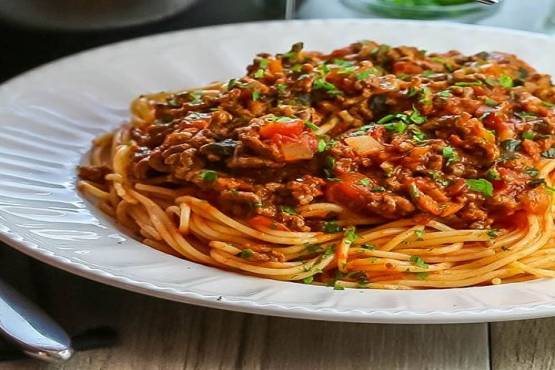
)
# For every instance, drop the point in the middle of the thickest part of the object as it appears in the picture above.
(158, 334)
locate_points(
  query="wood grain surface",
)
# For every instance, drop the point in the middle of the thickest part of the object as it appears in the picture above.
(158, 334)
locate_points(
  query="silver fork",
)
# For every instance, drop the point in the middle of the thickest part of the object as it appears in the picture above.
(489, 2)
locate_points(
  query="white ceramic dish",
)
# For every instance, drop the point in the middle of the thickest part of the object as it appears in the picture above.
(49, 116)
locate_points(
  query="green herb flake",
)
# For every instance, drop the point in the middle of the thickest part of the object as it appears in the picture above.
(528, 135)
(288, 209)
(549, 153)
(308, 279)
(386, 118)
(418, 262)
(414, 191)
(450, 154)
(510, 145)
(377, 189)
(526, 116)
(196, 97)
(246, 253)
(331, 227)
(425, 95)
(350, 235)
(259, 73)
(365, 74)
(322, 144)
(493, 174)
(337, 286)
(506, 81)
(297, 68)
(467, 84)
(419, 234)
(368, 246)
(397, 127)
(490, 82)
(330, 162)
(281, 87)
(481, 186)
(491, 233)
(255, 95)
(490, 102)
(427, 73)
(311, 125)
(208, 175)
(532, 172)
(444, 94)
(416, 117)
(363, 182)
(322, 84)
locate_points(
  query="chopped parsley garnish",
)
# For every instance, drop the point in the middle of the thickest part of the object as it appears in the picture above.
(322, 144)
(365, 74)
(208, 175)
(525, 116)
(444, 94)
(378, 189)
(281, 87)
(418, 262)
(548, 104)
(492, 233)
(386, 118)
(419, 234)
(330, 162)
(338, 286)
(510, 145)
(259, 73)
(311, 125)
(425, 95)
(506, 81)
(491, 102)
(363, 182)
(549, 153)
(322, 84)
(295, 49)
(288, 209)
(493, 174)
(255, 95)
(397, 127)
(331, 227)
(490, 82)
(418, 135)
(481, 186)
(416, 117)
(528, 135)
(532, 172)
(467, 83)
(231, 84)
(427, 73)
(263, 63)
(196, 97)
(414, 191)
(450, 154)
(368, 246)
(308, 279)
(351, 235)
(246, 253)
(297, 68)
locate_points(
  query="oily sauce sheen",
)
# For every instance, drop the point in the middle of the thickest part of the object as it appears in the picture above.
(387, 132)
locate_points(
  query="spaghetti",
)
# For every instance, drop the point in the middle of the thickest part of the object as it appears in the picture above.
(369, 167)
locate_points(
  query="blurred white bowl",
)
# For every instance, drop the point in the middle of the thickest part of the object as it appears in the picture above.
(88, 14)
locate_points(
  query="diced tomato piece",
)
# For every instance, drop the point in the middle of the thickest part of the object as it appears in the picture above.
(301, 147)
(289, 128)
(347, 191)
(260, 221)
(406, 67)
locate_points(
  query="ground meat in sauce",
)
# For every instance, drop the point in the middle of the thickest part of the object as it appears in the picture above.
(384, 131)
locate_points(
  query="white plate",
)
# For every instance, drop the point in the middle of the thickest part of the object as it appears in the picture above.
(49, 116)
